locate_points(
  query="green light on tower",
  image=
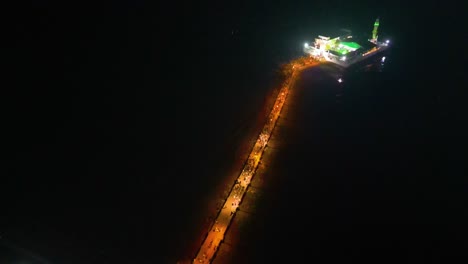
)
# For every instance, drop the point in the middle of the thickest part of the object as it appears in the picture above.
(374, 32)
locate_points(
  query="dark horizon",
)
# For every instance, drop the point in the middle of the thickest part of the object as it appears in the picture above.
(120, 120)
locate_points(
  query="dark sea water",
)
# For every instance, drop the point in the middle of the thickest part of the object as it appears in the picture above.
(356, 177)
(119, 124)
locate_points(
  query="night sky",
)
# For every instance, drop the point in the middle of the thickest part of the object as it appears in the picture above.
(118, 116)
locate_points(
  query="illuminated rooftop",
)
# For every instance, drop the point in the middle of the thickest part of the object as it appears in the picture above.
(345, 47)
(351, 45)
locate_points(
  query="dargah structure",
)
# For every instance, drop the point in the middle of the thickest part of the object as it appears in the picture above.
(345, 50)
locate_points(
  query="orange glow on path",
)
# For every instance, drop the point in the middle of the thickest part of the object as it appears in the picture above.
(216, 234)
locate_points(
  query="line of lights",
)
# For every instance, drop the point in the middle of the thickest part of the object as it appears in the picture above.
(218, 230)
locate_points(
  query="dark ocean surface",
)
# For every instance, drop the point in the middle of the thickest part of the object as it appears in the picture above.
(119, 122)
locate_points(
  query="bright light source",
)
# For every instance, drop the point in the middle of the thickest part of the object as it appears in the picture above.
(306, 45)
(383, 59)
(343, 58)
(387, 41)
(339, 80)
